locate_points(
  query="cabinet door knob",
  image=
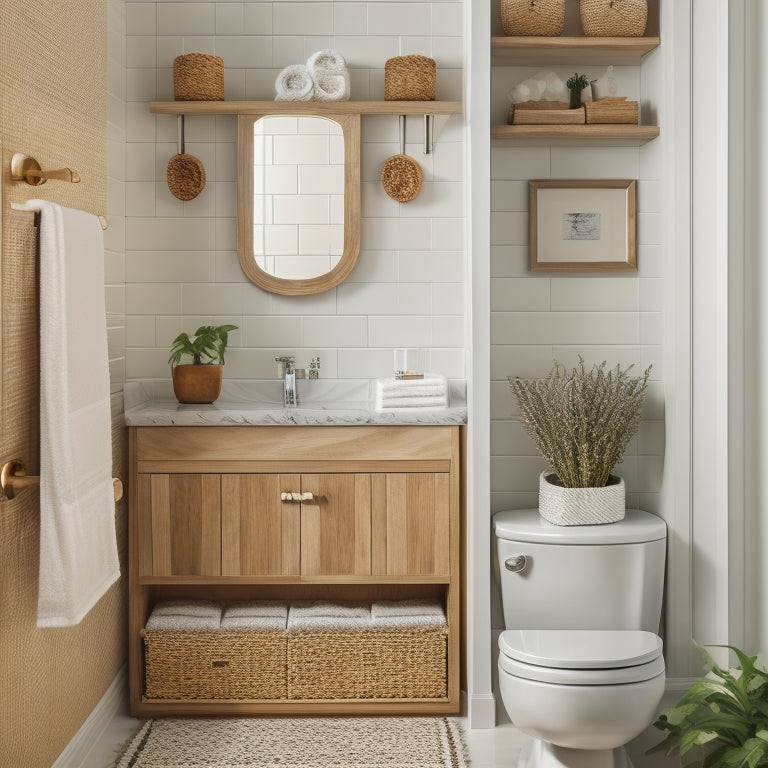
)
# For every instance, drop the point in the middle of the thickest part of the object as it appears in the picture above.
(294, 496)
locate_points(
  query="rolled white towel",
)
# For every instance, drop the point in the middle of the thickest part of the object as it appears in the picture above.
(331, 86)
(255, 608)
(200, 608)
(181, 622)
(327, 59)
(294, 83)
(253, 622)
(324, 608)
(414, 607)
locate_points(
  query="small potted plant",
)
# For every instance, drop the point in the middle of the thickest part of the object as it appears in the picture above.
(576, 84)
(200, 380)
(581, 422)
(722, 720)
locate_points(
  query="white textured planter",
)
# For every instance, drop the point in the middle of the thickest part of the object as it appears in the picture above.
(581, 506)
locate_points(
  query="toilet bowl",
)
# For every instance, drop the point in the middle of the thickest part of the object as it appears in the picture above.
(581, 669)
(582, 693)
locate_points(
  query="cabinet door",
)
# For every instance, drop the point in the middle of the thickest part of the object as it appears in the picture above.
(260, 533)
(179, 525)
(336, 525)
(411, 518)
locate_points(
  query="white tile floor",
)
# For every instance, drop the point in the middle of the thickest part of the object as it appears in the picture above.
(499, 747)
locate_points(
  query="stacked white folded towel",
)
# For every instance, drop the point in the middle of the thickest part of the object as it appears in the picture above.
(185, 614)
(407, 613)
(255, 614)
(429, 392)
(323, 78)
(321, 614)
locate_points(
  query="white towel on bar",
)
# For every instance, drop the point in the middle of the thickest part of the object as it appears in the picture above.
(78, 544)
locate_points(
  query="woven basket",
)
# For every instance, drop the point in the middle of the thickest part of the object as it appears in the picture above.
(215, 664)
(613, 18)
(410, 78)
(581, 506)
(198, 77)
(533, 17)
(367, 663)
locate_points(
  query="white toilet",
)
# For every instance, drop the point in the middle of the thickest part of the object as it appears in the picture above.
(580, 665)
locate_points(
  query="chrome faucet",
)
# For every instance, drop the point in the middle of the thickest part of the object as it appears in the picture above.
(290, 396)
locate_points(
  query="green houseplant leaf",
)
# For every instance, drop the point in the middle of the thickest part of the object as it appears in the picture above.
(722, 720)
(206, 347)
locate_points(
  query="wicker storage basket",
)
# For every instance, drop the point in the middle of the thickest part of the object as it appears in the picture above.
(215, 664)
(533, 17)
(367, 663)
(581, 506)
(410, 78)
(613, 18)
(198, 77)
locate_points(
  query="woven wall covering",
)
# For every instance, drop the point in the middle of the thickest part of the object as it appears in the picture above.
(52, 77)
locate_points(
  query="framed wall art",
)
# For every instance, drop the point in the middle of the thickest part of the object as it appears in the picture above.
(583, 226)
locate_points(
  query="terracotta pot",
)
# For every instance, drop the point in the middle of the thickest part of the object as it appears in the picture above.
(581, 506)
(197, 383)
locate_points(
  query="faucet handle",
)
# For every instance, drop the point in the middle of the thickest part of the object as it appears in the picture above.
(288, 361)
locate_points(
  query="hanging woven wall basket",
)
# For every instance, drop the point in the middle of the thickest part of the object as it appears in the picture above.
(533, 17)
(613, 18)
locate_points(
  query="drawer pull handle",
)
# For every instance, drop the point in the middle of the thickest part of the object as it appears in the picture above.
(292, 496)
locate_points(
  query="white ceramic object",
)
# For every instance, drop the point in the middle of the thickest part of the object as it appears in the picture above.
(581, 506)
(580, 665)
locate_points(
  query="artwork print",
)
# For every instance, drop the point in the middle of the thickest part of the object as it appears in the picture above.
(581, 226)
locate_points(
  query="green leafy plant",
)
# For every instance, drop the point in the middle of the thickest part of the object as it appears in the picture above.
(206, 347)
(577, 82)
(722, 720)
(582, 421)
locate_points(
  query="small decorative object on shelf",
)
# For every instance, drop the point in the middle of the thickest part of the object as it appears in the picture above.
(410, 78)
(198, 77)
(581, 423)
(613, 18)
(576, 84)
(543, 18)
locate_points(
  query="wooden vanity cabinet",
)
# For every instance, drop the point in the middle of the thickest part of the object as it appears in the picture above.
(373, 512)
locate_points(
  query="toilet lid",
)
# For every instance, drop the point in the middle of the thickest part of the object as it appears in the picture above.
(581, 657)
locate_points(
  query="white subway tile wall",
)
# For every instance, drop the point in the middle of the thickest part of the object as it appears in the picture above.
(181, 266)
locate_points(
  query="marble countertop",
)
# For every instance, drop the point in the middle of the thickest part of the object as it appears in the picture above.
(325, 402)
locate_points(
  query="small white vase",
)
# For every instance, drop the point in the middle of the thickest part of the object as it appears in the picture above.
(581, 506)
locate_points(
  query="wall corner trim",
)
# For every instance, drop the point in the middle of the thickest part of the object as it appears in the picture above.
(111, 703)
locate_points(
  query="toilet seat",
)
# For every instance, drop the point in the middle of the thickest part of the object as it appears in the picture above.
(581, 657)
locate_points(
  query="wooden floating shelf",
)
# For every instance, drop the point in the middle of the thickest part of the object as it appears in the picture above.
(537, 51)
(306, 107)
(608, 134)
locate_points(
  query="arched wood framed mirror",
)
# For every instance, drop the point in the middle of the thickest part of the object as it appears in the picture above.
(298, 200)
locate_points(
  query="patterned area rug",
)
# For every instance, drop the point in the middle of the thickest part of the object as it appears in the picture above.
(346, 742)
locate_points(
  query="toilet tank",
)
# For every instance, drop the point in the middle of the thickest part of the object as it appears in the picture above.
(582, 576)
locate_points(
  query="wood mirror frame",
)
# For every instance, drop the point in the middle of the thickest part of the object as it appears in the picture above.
(350, 125)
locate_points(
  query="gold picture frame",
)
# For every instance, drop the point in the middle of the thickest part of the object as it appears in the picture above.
(583, 225)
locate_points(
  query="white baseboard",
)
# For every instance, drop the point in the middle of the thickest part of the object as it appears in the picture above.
(481, 711)
(110, 704)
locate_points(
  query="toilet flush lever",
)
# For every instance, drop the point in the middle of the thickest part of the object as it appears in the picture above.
(516, 563)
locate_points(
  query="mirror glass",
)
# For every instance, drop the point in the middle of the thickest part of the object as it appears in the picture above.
(298, 201)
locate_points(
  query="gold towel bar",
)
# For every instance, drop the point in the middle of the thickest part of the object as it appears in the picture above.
(24, 168)
(13, 478)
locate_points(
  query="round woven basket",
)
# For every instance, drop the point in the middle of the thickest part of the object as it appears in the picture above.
(410, 78)
(581, 506)
(613, 18)
(401, 178)
(186, 176)
(533, 17)
(198, 77)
